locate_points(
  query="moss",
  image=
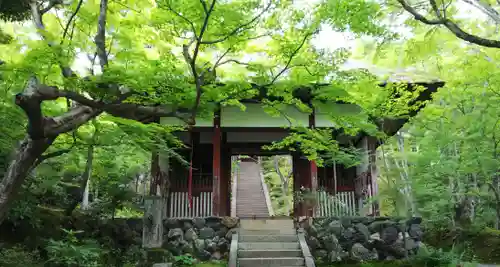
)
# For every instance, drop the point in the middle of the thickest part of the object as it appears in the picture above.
(396, 263)
(486, 245)
(211, 264)
(483, 243)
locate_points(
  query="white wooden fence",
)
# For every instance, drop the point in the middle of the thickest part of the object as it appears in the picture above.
(340, 204)
(179, 205)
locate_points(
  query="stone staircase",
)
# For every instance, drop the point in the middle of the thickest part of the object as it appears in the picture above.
(250, 196)
(269, 242)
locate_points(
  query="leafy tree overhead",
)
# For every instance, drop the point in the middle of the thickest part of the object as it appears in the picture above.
(445, 14)
(151, 59)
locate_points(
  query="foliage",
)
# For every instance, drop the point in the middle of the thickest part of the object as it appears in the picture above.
(184, 260)
(73, 252)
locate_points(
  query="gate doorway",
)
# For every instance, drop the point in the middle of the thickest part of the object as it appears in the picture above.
(262, 186)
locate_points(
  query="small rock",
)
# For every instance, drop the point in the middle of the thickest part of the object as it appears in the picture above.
(221, 232)
(206, 233)
(229, 234)
(199, 222)
(211, 246)
(222, 245)
(213, 222)
(375, 236)
(171, 223)
(346, 221)
(321, 254)
(363, 229)
(378, 226)
(414, 220)
(199, 244)
(186, 247)
(335, 227)
(229, 222)
(203, 255)
(175, 233)
(360, 253)
(313, 243)
(389, 234)
(415, 232)
(188, 224)
(190, 235)
(216, 256)
(312, 230)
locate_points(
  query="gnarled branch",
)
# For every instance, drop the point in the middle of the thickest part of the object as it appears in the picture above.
(240, 28)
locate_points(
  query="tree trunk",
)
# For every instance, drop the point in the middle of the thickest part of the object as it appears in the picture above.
(26, 156)
(284, 181)
(496, 193)
(86, 177)
(87, 173)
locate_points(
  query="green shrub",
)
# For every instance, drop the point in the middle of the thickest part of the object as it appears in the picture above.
(71, 252)
(18, 256)
(432, 257)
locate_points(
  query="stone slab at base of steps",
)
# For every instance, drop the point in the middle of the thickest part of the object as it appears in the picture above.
(271, 262)
(270, 253)
(268, 245)
(267, 226)
(267, 238)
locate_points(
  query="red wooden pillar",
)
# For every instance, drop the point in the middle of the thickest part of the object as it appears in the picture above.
(312, 166)
(216, 190)
(225, 174)
(302, 178)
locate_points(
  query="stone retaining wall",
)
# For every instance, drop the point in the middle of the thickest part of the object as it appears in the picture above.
(339, 239)
(203, 238)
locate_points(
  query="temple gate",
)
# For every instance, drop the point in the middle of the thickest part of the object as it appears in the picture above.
(205, 188)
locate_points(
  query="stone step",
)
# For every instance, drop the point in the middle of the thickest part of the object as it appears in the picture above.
(266, 224)
(268, 245)
(268, 238)
(267, 232)
(270, 262)
(270, 253)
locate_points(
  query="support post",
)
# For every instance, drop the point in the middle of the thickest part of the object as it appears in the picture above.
(216, 190)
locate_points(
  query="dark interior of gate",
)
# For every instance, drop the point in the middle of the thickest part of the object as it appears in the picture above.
(206, 189)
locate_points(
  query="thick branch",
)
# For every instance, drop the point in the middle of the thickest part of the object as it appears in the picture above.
(41, 127)
(452, 27)
(26, 154)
